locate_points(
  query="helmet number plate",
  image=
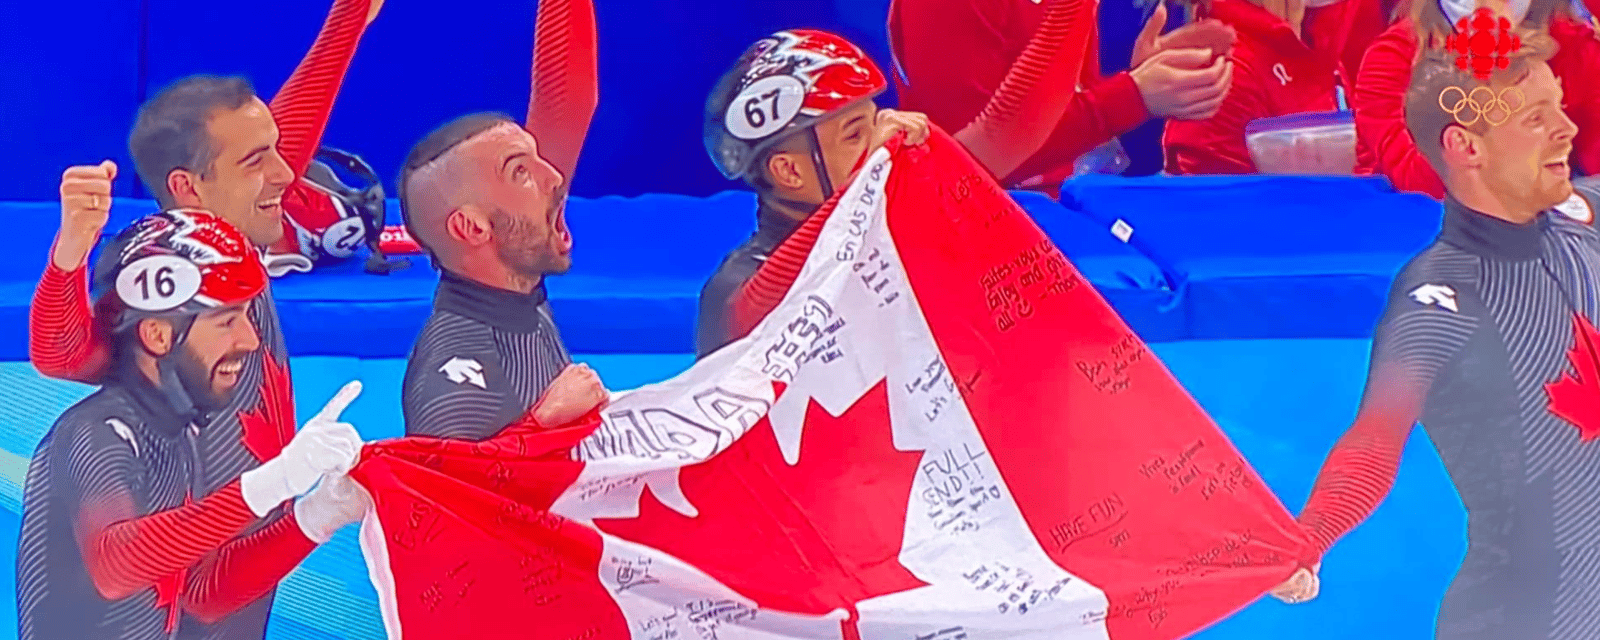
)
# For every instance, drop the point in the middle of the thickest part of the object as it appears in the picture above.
(158, 283)
(764, 107)
(341, 238)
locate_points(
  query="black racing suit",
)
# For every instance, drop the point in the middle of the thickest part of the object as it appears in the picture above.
(772, 228)
(483, 358)
(122, 521)
(1488, 341)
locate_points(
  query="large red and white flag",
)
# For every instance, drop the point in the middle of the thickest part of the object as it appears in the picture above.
(941, 432)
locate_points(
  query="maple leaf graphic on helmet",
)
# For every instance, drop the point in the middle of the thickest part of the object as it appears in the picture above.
(270, 425)
(837, 517)
(1575, 397)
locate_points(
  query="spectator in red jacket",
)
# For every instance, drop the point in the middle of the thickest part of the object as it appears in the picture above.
(1284, 64)
(1348, 27)
(962, 59)
(1384, 147)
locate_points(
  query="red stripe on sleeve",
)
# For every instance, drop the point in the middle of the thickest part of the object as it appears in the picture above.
(62, 338)
(246, 569)
(1020, 126)
(1362, 466)
(302, 106)
(1032, 121)
(566, 86)
(128, 556)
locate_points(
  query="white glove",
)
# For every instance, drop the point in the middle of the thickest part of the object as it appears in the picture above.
(323, 446)
(336, 502)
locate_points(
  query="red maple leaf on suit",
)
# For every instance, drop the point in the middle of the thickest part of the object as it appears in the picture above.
(811, 538)
(270, 425)
(1575, 397)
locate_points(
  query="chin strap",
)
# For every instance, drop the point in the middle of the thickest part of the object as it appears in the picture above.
(823, 182)
(172, 386)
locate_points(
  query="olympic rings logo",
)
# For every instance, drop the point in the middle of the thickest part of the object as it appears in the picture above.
(1485, 109)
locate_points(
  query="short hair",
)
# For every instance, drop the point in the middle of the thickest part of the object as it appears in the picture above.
(1436, 72)
(434, 146)
(170, 130)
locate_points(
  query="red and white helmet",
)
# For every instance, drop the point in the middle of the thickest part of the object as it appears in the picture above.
(326, 221)
(787, 82)
(177, 263)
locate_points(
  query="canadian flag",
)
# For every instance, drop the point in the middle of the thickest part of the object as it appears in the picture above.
(940, 432)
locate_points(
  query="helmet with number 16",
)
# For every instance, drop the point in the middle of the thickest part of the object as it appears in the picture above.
(195, 275)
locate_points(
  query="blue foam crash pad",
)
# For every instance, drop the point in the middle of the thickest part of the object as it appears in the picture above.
(1268, 256)
(638, 266)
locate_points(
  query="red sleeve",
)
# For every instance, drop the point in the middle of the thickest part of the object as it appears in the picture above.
(771, 282)
(1357, 474)
(302, 106)
(1216, 145)
(245, 569)
(63, 341)
(1016, 116)
(1409, 348)
(951, 54)
(1105, 110)
(758, 296)
(130, 555)
(1578, 48)
(1379, 105)
(566, 81)
(1347, 26)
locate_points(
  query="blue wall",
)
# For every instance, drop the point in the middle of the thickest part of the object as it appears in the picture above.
(72, 75)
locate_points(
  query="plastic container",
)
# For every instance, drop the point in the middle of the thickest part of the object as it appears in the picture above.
(1317, 143)
(1109, 158)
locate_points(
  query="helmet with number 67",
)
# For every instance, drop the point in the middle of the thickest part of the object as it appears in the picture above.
(785, 83)
(173, 264)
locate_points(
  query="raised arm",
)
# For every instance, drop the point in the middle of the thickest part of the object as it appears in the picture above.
(63, 340)
(302, 106)
(566, 81)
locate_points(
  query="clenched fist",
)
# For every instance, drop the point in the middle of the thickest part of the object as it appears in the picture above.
(85, 207)
(576, 391)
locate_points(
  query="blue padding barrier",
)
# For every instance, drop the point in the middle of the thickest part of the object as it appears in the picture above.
(1266, 256)
(1208, 258)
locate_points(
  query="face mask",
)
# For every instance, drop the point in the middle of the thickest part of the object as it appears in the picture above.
(1455, 10)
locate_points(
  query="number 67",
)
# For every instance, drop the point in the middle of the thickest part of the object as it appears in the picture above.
(754, 116)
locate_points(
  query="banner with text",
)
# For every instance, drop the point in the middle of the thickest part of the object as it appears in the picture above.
(941, 432)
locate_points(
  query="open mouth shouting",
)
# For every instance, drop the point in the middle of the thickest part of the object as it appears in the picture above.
(558, 225)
